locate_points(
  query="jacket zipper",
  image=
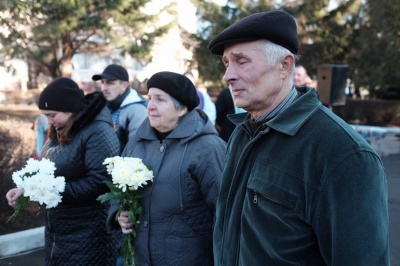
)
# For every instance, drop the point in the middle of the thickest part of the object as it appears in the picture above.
(255, 198)
(244, 151)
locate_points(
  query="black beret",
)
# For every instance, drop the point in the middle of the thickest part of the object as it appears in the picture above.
(63, 95)
(275, 26)
(113, 72)
(176, 85)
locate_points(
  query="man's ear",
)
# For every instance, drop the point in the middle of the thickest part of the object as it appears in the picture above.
(287, 65)
(125, 84)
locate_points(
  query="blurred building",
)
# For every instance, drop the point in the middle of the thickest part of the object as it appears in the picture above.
(168, 52)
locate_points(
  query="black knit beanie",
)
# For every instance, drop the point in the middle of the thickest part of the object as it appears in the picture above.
(176, 85)
(63, 95)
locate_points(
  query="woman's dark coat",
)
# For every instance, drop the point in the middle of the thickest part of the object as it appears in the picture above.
(179, 206)
(76, 231)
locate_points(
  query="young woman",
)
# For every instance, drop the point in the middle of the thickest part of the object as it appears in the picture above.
(81, 136)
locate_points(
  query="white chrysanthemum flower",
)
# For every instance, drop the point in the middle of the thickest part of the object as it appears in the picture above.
(30, 188)
(128, 173)
(47, 167)
(42, 196)
(109, 162)
(17, 178)
(59, 183)
(40, 180)
(32, 166)
(39, 183)
(53, 200)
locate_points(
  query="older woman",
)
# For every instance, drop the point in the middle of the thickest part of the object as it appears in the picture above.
(182, 147)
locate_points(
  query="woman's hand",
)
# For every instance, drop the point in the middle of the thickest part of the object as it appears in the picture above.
(124, 222)
(13, 196)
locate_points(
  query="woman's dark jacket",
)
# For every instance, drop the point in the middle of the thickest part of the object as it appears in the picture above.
(76, 232)
(179, 206)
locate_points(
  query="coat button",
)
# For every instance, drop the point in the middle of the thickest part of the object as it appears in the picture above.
(145, 223)
(162, 149)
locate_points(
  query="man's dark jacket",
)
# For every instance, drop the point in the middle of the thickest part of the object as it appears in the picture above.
(307, 189)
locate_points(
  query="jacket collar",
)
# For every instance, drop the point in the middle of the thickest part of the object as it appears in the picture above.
(290, 120)
(94, 105)
(132, 97)
(188, 125)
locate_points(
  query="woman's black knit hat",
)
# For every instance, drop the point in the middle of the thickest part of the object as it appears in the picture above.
(63, 95)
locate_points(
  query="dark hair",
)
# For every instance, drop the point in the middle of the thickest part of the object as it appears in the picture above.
(63, 135)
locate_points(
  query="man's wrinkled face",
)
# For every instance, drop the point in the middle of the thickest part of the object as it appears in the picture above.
(255, 83)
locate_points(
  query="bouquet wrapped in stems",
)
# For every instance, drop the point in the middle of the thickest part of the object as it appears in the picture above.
(128, 176)
(39, 184)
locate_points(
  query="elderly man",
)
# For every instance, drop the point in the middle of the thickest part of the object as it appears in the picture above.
(300, 186)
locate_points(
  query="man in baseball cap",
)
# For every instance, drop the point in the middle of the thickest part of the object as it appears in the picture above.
(113, 72)
(128, 108)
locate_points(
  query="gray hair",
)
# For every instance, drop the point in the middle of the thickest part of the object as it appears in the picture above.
(275, 53)
(178, 104)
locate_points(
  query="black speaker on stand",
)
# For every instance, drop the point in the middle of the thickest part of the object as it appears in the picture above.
(331, 86)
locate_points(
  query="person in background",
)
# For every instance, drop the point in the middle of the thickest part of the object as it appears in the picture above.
(206, 104)
(300, 186)
(40, 126)
(128, 107)
(301, 78)
(85, 82)
(225, 106)
(182, 147)
(142, 89)
(128, 110)
(81, 137)
(87, 86)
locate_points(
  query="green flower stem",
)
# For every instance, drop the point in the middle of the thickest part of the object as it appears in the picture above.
(128, 250)
(21, 203)
(129, 201)
(135, 212)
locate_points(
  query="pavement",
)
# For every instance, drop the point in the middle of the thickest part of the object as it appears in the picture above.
(26, 248)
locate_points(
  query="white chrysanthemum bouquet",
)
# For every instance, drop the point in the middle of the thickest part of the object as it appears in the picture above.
(39, 184)
(128, 176)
